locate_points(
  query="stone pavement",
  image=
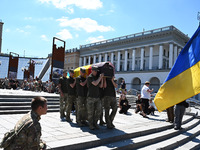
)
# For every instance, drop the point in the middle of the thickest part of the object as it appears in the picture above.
(59, 134)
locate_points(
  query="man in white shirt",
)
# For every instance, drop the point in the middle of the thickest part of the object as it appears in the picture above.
(145, 96)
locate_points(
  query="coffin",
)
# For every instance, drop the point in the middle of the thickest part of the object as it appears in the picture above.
(104, 67)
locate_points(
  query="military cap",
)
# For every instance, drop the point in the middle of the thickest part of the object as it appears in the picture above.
(95, 68)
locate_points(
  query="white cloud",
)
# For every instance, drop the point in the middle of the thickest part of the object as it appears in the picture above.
(44, 37)
(70, 10)
(64, 34)
(95, 39)
(86, 24)
(83, 4)
(22, 31)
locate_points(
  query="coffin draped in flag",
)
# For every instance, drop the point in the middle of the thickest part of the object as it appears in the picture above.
(183, 80)
(104, 67)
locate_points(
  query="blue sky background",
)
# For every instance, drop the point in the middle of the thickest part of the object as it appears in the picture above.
(30, 25)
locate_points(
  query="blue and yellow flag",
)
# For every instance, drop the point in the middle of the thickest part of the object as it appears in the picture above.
(183, 80)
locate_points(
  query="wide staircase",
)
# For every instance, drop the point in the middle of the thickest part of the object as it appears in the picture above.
(146, 137)
(160, 136)
(19, 104)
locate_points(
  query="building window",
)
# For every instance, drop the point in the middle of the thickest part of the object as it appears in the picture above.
(128, 55)
(114, 57)
(87, 61)
(102, 59)
(164, 52)
(108, 58)
(121, 56)
(97, 59)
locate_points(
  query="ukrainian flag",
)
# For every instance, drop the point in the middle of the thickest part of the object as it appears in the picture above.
(183, 80)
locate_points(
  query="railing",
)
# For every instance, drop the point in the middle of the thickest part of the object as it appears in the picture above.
(168, 28)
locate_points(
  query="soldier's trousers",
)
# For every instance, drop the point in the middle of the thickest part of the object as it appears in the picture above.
(170, 113)
(63, 104)
(82, 109)
(179, 112)
(110, 102)
(94, 110)
(70, 100)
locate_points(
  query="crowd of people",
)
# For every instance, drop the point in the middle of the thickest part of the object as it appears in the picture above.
(29, 85)
(90, 95)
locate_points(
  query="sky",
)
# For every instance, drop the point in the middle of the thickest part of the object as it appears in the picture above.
(30, 25)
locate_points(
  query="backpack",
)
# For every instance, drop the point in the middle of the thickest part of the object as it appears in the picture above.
(11, 135)
(8, 138)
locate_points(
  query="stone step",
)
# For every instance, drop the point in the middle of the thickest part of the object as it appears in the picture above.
(28, 96)
(147, 137)
(193, 144)
(115, 136)
(23, 107)
(185, 135)
(25, 103)
(15, 99)
(3, 112)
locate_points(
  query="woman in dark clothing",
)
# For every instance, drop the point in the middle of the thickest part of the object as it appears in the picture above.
(123, 104)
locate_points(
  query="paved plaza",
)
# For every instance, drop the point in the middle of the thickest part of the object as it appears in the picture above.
(62, 135)
(58, 134)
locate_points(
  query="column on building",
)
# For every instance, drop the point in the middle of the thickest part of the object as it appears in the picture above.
(99, 57)
(175, 53)
(94, 59)
(106, 56)
(89, 60)
(133, 59)
(112, 57)
(179, 50)
(118, 61)
(142, 58)
(150, 57)
(170, 55)
(80, 61)
(84, 61)
(160, 57)
(125, 60)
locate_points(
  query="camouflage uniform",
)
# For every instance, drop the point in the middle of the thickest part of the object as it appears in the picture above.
(81, 100)
(93, 102)
(29, 137)
(110, 102)
(94, 111)
(71, 97)
(63, 104)
(63, 99)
